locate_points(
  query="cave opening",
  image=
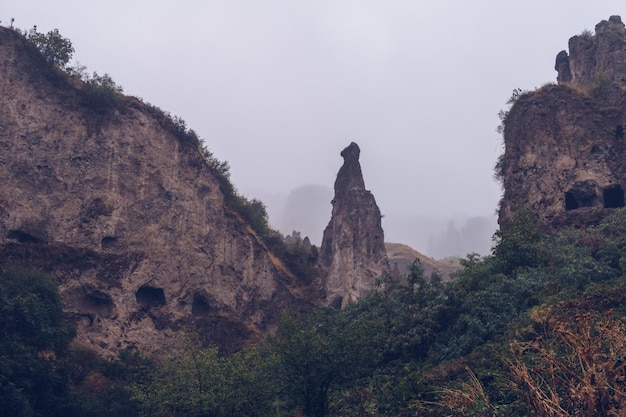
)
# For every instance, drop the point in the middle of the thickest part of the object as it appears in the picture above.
(99, 302)
(23, 237)
(582, 194)
(148, 296)
(613, 196)
(336, 303)
(571, 203)
(200, 305)
(108, 242)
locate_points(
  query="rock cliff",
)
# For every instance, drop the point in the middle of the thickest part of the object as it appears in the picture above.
(595, 57)
(353, 249)
(126, 215)
(565, 158)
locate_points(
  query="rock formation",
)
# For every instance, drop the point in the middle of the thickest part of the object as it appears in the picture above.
(565, 159)
(595, 58)
(126, 214)
(353, 249)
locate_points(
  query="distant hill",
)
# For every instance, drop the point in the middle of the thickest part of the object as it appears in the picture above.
(402, 256)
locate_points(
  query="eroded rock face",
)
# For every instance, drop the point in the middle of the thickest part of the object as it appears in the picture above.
(565, 157)
(595, 58)
(125, 215)
(353, 249)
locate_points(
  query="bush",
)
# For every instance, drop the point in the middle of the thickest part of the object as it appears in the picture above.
(56, 49)
(33, 341)
(100, 93)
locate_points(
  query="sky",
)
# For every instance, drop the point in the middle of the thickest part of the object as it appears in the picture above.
(279, 87)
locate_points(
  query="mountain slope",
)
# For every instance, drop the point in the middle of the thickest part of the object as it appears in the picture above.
(125, 212)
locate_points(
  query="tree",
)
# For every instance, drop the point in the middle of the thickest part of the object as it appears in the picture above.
(33, 341)
(517, 244)
(100, 93)
(184, 385)
(323, 353)
(56, 49)
(200, 382)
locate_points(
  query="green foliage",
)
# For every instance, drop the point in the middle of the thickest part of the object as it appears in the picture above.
(252, 211)
(33, 341)
(101, 388)
(185, 386)
(503, 115)
(56, 49)
(100, 93)
(299, 258)
(517, 245)
(200, 382)
(417, 346)
(320, 354)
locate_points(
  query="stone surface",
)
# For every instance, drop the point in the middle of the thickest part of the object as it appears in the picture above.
(564, 158)
(126, 216)
(353, 249)
(595, 58)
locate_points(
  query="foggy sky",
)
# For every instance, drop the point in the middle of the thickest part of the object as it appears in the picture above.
(279, 88)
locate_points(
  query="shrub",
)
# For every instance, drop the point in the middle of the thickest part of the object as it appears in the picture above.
(56, 49)
(100, 93)
(33, 340)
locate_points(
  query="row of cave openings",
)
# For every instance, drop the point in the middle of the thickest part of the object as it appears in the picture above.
(99, 302)
(584, 195)
(148, 296)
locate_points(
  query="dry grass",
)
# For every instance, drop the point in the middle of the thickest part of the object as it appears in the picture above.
(572, 367)
(469, 398)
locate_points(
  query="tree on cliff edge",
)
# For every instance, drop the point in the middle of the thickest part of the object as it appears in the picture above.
(56, 49)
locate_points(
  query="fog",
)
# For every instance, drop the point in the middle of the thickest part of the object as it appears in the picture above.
(279, 87)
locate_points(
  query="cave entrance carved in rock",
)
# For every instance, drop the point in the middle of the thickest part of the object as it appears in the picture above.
(582, 194)
(201, 305)
(148, 296)
(613, 196)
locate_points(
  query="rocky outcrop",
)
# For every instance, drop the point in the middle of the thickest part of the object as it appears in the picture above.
(565, 158)
(353, 249)
(126, 215)
(594, 58)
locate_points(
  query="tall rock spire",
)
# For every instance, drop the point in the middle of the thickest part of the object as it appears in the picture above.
(353, 247)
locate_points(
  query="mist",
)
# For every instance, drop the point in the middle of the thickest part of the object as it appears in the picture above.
(278, 88)
(307, 209)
